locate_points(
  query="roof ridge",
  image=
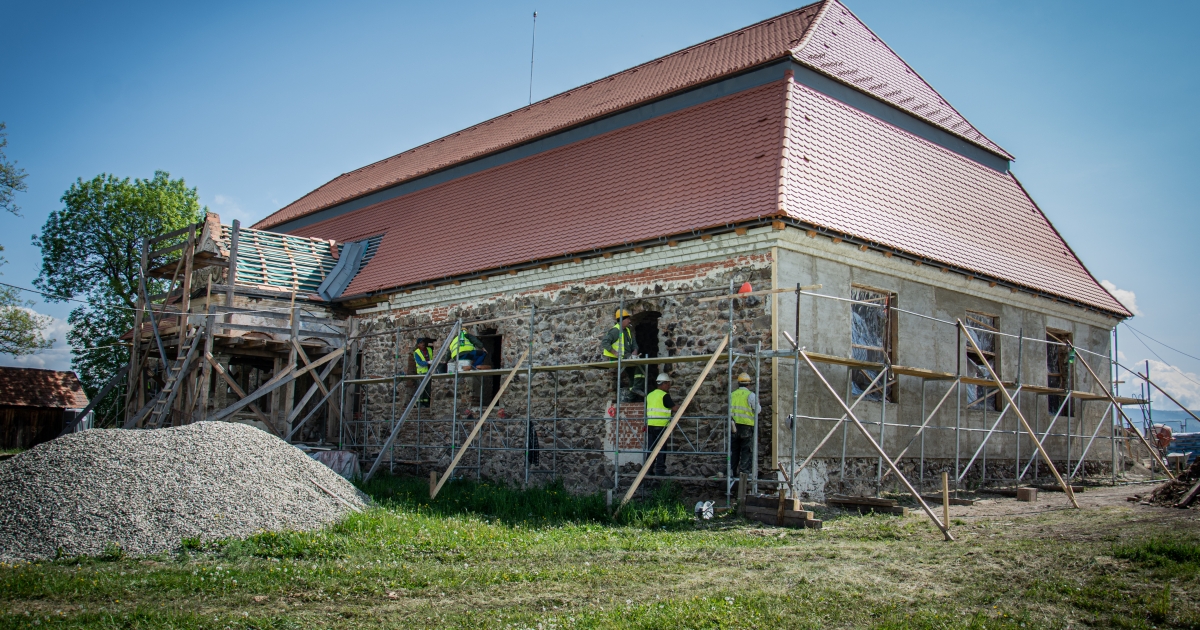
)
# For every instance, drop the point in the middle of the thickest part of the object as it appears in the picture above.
(710, 41)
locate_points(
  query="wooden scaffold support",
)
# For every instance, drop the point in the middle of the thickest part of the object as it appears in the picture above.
(1032, 436)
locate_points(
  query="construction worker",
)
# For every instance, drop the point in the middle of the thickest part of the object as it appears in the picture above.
(468, 347)
(659, 409)
(620, 342)
(420, 364)
(744, 406)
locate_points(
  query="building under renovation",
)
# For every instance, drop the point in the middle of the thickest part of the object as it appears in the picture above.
(898, 275)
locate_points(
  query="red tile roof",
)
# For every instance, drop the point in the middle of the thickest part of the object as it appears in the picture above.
(840, 46)
(855, 174)
(30, 387)
(701, 167)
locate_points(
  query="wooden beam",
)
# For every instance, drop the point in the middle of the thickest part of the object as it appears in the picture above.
(233, 255)
(112, 382)
(312, 389)
(662, 440)
(237, 389)
(945, 527)
(1117, 406)
(478, 425)
(1032, 435)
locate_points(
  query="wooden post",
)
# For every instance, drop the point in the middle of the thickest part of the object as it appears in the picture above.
(1028, 429)
(782, 504)
(185, 303)
(662, 440)
(946, 498)
(479, 425)
(741, 494)
(206, 371)
(289, 391)
(432, 483)
(134, 390)
(233, 254)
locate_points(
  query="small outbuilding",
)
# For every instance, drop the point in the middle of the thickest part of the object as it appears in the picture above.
(36, 404)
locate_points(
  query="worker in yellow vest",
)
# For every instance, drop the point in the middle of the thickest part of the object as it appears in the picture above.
(620, 342)
(468, 347)
(744, 406)
(422, 358)
(659, 409)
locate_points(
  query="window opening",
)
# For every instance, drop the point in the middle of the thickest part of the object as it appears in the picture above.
(982, 328)
(645, 331)
(872, 338)
(1058, 374)
(494, 344)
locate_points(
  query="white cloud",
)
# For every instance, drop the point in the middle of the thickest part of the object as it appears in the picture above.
(1127, 298)
(58, 357)
(1184, 386)
(229, 209)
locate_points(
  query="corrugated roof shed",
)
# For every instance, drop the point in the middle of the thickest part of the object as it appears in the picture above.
(32, 387)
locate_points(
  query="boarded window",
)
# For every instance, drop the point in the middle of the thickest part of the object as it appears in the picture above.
(983, 329)
(1058, 369)
(872, 338)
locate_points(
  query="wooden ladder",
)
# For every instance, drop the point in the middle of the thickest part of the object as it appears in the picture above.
(160, 408)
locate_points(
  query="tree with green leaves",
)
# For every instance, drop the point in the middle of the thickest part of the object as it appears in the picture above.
(22, 331)
(12, 179)
(91, 251)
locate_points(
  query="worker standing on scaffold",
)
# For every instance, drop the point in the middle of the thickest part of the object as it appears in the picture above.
(422, 358)
(744, 406)
(620, 342)
(659, 409)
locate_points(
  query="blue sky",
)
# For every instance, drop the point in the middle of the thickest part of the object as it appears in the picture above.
(258, 103)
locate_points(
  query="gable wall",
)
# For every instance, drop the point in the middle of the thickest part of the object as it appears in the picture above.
(921, 343)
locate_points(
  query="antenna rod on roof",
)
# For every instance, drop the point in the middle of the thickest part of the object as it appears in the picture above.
(532, 47)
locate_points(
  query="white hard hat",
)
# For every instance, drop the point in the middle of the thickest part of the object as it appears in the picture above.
(663, 378)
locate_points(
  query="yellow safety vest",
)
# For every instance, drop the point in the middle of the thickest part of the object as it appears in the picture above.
(422, 357)
(657, 415)
(619, 344)
(739, 403)
(460, 344)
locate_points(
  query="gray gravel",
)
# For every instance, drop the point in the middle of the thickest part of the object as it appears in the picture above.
(148, 490)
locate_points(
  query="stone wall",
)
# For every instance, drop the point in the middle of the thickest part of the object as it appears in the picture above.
(568, 409)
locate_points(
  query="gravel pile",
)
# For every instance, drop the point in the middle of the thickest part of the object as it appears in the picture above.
(148, 490)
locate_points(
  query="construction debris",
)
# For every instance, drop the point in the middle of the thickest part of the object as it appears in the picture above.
(1180, 491)
(771, 510)
(144, 492)
(867, 504)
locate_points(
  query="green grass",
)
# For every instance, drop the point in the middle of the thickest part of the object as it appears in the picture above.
(1170, 555)
(486, 556)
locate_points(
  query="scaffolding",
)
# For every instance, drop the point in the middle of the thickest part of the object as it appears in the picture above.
(173, 375)
(540, 439)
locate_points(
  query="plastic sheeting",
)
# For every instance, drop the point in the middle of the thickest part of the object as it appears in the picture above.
(343, 463)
